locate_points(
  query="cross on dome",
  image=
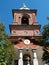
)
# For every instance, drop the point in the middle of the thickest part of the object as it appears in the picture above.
(24, 7)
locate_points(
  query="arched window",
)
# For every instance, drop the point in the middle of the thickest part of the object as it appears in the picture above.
(25, 19)
(26, 59)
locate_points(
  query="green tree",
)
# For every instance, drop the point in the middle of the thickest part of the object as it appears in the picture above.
(45, 55)
(46, 33)
(7, 51)
(45, 36)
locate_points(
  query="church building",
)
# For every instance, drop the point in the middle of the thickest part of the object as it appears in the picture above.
(24, 33)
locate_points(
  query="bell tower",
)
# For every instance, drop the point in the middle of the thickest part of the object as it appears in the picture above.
(24, 23)
(24, 33)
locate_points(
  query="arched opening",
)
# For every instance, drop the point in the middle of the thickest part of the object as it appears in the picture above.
(26, 59)
(25, 20)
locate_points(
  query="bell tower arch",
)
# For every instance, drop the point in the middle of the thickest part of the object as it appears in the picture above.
(25, 19)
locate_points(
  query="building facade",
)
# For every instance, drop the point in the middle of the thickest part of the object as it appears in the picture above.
(24, 33)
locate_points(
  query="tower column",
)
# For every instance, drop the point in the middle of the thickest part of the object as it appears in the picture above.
(20, 61)
(35, 60)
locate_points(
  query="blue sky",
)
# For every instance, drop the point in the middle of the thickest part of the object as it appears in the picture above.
(6, 7)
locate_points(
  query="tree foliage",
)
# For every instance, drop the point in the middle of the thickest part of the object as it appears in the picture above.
(45, 36)
(46, 33)
(7, 51)
(45, 55)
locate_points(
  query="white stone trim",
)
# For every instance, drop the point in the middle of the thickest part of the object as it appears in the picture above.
(35, 60)
(20, 61)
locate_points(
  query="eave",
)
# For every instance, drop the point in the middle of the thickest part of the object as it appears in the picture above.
(26, 11)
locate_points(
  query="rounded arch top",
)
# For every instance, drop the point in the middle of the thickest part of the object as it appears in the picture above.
(26, 15)
(26, 57)
(25, 19)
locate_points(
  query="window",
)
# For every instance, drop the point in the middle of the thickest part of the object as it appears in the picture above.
(25, 19)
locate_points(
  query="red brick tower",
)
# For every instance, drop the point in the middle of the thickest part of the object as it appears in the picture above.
(24, 24)
(24, 33)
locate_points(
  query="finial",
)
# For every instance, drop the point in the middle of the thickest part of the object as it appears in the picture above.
(24, 7)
